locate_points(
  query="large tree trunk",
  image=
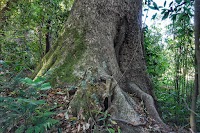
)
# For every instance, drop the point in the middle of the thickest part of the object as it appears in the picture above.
(101, 45)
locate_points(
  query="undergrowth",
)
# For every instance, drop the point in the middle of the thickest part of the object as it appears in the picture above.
(22, 107)
(32, 106)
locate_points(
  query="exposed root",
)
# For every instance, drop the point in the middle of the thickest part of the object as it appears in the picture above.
(149, 104)
(126, 122)
(122, 107)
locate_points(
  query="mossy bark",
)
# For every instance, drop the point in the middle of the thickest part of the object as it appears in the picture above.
(101, 46)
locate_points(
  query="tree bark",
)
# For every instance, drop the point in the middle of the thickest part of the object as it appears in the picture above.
(47, 37)
(197, 36)
(101, 45)
(197, 65)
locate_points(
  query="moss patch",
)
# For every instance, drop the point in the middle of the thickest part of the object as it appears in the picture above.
(64, 73)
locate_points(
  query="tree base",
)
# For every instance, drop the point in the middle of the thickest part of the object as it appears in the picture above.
(133, 111)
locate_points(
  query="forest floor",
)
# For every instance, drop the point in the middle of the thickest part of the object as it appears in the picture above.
(70, 124)
(58, 100)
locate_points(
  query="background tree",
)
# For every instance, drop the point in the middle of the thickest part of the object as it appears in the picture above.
(175, 88)
(197, 65)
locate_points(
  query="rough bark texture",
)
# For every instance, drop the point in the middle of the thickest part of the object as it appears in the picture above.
(197, 66)
(48, 36)
(197, 37)
(102, 41)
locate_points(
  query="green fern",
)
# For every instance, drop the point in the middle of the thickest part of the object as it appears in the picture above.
(25, 113)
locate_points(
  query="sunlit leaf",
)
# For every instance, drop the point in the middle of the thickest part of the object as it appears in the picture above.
(111, 130)
(66, 116)
(113, 122)
(20, 129)
(45, 86)
(39, 81)
(27, 81)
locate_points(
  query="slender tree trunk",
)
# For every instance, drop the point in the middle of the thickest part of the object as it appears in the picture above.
(197, 65)
(100, 49)
(40, 41)
(197, 36)
(194, 100)
(48, 42)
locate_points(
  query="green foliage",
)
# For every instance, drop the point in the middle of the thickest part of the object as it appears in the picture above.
(175, 84)
(178, 8)
(170, 65)
(154, 51)
(154, 7)
(105, 122)
(151, 4)
(9, 80)
(182, 50)
(24, 110)
(23, 34)
(171, 110)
